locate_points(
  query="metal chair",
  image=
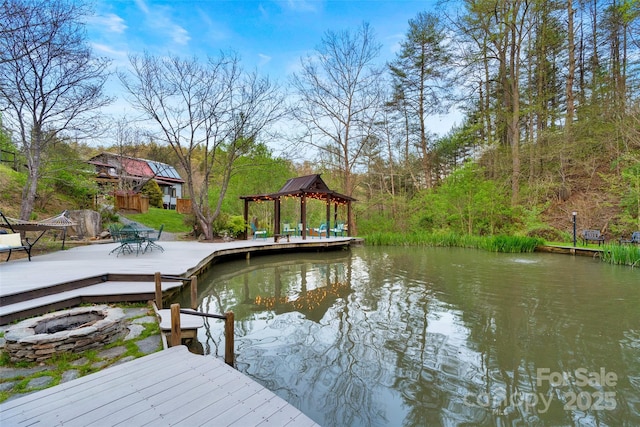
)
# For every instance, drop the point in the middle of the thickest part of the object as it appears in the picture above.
(258, 232)
(151, 241)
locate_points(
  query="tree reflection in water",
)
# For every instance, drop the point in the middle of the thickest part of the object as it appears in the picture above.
(416, 337)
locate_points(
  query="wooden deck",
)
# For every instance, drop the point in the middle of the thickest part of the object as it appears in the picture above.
(89, 274)
(171, 387)
(168, 388)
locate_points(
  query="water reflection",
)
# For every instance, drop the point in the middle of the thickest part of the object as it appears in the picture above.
(418, 337)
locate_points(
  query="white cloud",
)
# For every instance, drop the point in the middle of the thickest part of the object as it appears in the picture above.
(142, 5)
(264, 59)
(304, 5)
(179, 35)
(160, 19)
(110, 22)
(107, 50)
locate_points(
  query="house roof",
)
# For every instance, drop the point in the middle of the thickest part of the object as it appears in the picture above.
(137, 167)
(309, 185)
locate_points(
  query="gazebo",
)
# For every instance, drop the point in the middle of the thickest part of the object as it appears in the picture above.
(303, 187)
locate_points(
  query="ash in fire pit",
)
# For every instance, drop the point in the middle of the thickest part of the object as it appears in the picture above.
(66, 323)
(68, 331)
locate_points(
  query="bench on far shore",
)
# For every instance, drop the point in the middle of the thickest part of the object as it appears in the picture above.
(635, 239)
(10, 242)
(592, 236)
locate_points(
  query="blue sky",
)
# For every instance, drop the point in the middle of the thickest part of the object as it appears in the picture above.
(270, 35)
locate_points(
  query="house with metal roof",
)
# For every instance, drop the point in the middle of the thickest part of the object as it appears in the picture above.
(131, 173)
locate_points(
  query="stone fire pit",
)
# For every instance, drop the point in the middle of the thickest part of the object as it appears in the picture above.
(67, 331)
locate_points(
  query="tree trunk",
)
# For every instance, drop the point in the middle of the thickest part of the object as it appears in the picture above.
(29, 193)
(571, 67)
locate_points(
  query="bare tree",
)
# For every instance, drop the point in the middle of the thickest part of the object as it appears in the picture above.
(210, 114)
(17, 16)
(48, 88)
(339, 97)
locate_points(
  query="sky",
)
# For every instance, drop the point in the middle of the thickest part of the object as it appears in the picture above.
(269, 35)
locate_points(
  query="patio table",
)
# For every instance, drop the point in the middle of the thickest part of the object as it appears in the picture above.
(132, 235)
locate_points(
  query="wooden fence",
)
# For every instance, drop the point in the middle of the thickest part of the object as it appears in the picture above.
(183, 206)
(132, 202)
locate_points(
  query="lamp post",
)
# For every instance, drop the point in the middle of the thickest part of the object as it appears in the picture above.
(574, 214)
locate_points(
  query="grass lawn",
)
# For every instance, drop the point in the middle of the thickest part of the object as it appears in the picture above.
(155, 217)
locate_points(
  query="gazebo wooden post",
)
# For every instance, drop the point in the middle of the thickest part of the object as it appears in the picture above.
(328, 215)
(349, 219)
(303, 215)
(276, 208)
(246, 218)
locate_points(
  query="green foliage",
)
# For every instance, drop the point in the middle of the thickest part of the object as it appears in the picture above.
(152, 190)
(81, 188)
(11, 183)
(7, 146)
(621, 255)
(155, 217)
(257, 173)
(465, 203)
(510, 244)
(108, 216)
(228, 225)
(235, 225)
(65, 174)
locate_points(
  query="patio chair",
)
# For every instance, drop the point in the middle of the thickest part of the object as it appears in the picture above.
(151, 241)
(124, 239)
(339, 230)
(258, 232)
(322, 229)
(286, 229)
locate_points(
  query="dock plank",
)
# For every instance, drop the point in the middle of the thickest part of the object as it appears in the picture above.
(78, 393)
(171, 387)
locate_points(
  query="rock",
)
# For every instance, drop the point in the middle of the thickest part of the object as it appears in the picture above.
(88, 223)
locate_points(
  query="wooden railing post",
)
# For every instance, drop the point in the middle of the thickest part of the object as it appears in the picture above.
(176, 338)
(228, 338)
(158, 281)
(194, 292)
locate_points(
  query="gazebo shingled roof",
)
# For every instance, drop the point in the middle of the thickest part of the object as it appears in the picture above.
(308, 186)
(311, 185)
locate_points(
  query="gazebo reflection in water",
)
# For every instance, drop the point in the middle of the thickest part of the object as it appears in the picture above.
(310, 284)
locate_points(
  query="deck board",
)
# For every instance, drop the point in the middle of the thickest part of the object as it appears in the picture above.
(171, 387)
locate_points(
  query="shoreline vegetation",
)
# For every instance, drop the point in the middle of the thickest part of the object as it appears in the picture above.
(610, 253)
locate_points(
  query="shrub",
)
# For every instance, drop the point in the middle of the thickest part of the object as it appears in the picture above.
(152, 190)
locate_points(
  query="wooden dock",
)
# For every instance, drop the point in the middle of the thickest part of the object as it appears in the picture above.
(168, 388)
(88, 274)
(171, 387)
(570, 250)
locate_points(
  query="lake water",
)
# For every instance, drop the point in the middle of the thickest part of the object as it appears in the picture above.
(430, 336)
